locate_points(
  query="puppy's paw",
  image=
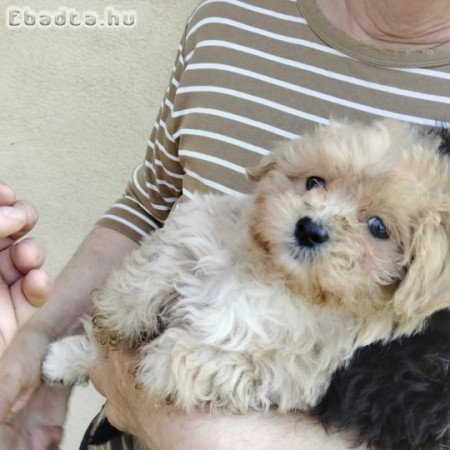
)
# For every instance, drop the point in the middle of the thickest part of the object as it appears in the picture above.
(66, 362)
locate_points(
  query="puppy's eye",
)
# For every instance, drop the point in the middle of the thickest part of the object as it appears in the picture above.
(377, 228)
(314, 183)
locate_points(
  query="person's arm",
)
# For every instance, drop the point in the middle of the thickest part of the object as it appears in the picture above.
(160, 427)
(43, 416)
(100, 252)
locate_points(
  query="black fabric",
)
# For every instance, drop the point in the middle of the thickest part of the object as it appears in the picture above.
(85, 441)
(99, 432)
(396, 396)
(103, 433)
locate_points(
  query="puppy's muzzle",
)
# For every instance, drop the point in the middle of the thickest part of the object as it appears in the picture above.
(309, 233)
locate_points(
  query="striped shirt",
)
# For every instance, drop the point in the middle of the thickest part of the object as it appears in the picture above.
(250, 73)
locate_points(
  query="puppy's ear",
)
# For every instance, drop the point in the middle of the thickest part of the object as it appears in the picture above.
(266, 164)
(426, 286)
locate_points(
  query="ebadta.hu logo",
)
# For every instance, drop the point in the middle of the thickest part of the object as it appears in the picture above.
(25, 17)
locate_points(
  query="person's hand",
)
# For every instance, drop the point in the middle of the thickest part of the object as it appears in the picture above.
(122, 408)
(20, 364)
(162, 428)
(129, 410)
(39, 426)
(23, 287)
(31, 413)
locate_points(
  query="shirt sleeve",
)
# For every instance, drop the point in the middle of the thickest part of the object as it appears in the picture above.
(156, 184)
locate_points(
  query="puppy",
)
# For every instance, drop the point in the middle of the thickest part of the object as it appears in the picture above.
(396, 395)
(246, 303)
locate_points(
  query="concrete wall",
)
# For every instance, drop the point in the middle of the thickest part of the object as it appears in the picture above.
(77, 105)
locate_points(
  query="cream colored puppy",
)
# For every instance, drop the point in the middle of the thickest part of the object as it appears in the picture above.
(253, 302)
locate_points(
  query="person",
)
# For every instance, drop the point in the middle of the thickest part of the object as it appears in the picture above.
(247, 74)
(23, 285)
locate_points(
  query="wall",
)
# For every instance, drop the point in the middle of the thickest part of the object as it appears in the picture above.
(77, 107)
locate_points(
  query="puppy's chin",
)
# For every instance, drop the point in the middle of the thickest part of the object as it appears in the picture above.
(312, 276)
(305, 255)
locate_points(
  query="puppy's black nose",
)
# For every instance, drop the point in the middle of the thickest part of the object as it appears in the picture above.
(309, 233)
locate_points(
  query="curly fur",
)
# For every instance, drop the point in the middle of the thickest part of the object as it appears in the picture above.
(240, 316)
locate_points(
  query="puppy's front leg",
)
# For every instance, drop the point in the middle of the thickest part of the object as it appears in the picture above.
(132, 306)
(67, 361)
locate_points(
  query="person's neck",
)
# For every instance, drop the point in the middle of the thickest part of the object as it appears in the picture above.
(416, 24)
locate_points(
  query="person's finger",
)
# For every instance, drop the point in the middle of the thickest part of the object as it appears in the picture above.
(22, 400)
(16, 378)
(5, 242)
(7, 195)
(30, 293)
(12, 220)
(31, 218)
(37, 286)
(21, 258)
(28, 254)
(10, 389)
(8, 324)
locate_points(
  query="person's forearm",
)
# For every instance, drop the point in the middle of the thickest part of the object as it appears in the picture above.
(101, 251)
